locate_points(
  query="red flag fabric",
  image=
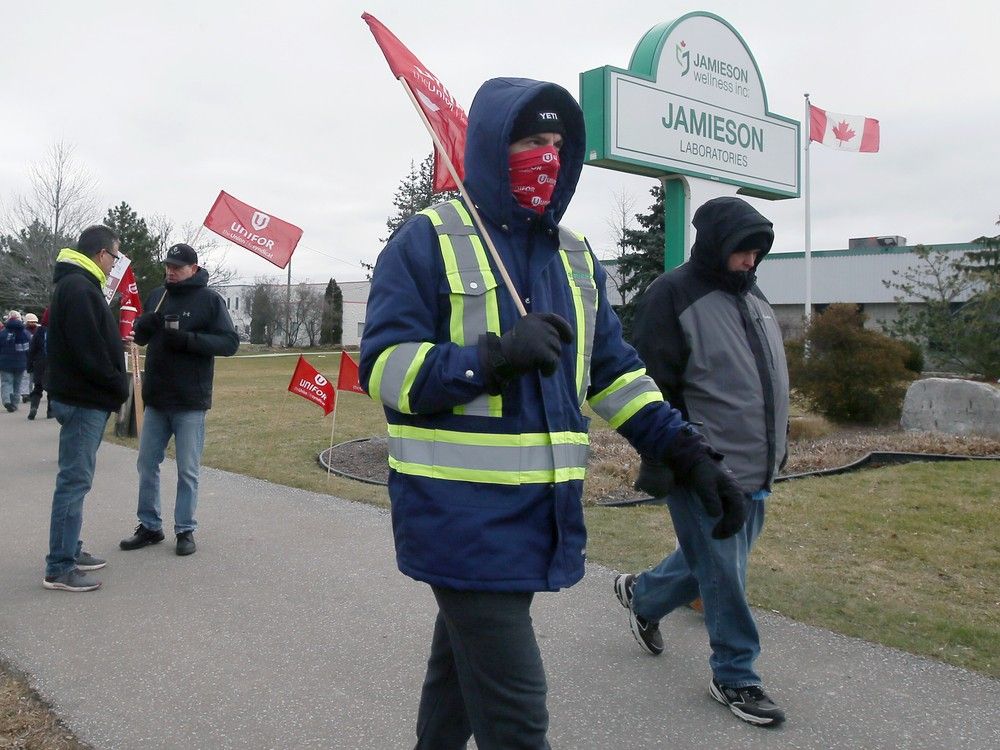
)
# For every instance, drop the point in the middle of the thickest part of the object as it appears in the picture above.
(310, 383)
(271, 238)
(843, 132)
(130, 291)
(446, 117)
(348, 379)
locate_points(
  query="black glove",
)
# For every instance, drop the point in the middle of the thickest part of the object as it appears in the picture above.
(175, 339)
(534, 343)
(655, 478)
(720, 494)
(147, 324)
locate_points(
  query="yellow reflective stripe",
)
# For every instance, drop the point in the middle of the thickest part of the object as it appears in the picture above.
(620, 383)
(633, 406)
(411, 375)
(489, 477)
(375, 381)
(489, 439)
(581, 325)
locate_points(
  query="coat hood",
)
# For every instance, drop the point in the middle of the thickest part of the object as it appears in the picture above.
(722, 224)
(198, 280)
(497, 104)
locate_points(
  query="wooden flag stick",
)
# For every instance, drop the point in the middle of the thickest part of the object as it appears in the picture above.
(468, 201)
(333, 426)
(137, 376)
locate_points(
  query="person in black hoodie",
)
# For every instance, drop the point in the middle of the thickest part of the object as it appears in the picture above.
(86, 382)
(38, 358)
(188, 327)
(710, 341)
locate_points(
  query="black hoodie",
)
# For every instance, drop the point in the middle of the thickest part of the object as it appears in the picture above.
(182, 380)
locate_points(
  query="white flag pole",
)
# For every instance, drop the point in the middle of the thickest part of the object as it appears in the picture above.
(808, 238)
(333, 426)
(468, 201)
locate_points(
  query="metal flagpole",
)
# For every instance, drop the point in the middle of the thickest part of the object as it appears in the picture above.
(333, 426)
(808, 246)
(468, 201)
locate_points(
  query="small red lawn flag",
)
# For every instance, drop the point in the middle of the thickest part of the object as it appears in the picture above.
(271, 238)
(309, 383)
(348, 379)
(445, 116)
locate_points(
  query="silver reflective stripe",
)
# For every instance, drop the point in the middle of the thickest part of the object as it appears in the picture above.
(580, 271)
(623, 398)
(488, 457)
(397, 377)
(474, 309)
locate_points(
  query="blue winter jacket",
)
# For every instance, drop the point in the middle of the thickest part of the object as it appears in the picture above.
(474, 535)
(14, 342)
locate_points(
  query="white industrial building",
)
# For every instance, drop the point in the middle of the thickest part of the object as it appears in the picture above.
(854, 275)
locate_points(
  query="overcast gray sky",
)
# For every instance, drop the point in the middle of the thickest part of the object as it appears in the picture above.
(291, 107)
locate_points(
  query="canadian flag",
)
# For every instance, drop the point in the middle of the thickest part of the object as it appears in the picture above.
(311, 384)
(844, 132)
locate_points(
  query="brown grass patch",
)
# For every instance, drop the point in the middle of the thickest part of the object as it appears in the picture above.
(27, 722)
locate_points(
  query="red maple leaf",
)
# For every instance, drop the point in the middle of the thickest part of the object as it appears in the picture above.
(843, 132)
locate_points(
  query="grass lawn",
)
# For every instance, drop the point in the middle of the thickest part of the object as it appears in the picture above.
(907, 556)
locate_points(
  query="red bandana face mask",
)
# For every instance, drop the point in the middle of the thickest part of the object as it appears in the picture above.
(533, 176)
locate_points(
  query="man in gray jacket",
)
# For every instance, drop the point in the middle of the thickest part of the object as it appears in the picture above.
(710, 341)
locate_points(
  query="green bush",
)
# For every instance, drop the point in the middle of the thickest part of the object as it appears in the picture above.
(847, 372)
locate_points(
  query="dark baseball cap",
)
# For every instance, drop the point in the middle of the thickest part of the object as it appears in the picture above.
(181, 255)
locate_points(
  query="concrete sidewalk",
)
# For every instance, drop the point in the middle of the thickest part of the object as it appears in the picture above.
(291, 628)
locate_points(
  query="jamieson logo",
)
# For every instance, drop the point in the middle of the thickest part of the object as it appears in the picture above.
(683, 58)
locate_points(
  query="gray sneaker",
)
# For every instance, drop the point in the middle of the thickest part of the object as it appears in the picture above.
(73, 580)
(86, 561)
(646, 632)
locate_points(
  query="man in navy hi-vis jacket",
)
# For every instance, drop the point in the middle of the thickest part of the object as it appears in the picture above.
(487, 442)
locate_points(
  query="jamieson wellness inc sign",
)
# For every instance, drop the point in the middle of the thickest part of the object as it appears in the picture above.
(692, 102)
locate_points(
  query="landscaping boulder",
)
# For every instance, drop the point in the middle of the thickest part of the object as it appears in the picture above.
(955, 407)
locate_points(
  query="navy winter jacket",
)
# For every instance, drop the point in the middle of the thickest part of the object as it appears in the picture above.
(14, 342)
(477, 535)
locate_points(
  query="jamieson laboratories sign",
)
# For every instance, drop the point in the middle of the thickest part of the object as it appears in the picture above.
(692, 102)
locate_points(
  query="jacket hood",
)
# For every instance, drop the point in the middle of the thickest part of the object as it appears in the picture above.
(69, 258)
(497, 104)
(722, 224)
(67, 268)
(197, 281)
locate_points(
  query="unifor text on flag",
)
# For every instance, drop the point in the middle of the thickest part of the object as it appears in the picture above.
(448, 120)
(844, 132)
(271, 238)
(311, 384)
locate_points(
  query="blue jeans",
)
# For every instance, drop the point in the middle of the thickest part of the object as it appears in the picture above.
(10, 386)
(80, 434)
(716, 570)
(188, 430)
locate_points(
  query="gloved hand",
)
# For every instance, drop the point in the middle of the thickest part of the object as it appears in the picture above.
(175, 339)
(534, 343)
(148, 323)
(720, 494)
(655, 478)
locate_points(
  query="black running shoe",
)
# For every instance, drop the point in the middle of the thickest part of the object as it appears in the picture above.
(749, 703)
(646, 632)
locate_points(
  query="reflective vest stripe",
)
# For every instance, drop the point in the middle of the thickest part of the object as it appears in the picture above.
(394, 373)
(474, 308)
(579, 267)
(486, 457)
(624, 397)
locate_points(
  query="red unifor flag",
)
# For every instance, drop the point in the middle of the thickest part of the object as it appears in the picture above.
(310, 383)
(844, 132)
(130, 291)
(271, 238)
(448, 120)
(348, 379)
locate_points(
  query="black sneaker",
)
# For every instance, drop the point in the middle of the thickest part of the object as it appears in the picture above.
(86, 561)
(73, 580)
(10, 407)
(142, 537)
(750, 703)
(185, 543)
(646, 633)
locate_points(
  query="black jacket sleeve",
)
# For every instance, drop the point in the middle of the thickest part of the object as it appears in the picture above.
(660, 341)
(101, 365)
(220, 340)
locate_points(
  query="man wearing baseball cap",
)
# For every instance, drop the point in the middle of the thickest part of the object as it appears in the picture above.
(188, 327)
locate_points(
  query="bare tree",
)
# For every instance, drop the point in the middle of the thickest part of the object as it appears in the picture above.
(621, 221)
(211, 255)
(265, 301)
(60, 201)
(309, 304)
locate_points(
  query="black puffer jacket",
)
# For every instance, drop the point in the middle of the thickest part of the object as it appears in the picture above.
(86, 361)
(181, 379)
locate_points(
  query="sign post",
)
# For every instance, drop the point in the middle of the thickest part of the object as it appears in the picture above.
(692, 103)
